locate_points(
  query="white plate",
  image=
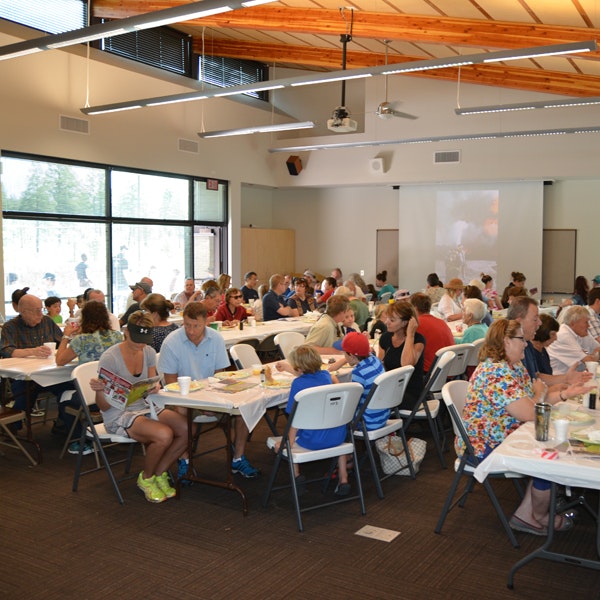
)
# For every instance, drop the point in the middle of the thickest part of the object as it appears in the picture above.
(194, 386)
(233, 374)
(277, 384)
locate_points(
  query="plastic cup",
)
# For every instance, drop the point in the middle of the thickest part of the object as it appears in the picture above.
(52, 346)
(252, 321)
(592, 367)
(561, 430)
(184, 385)
(256, 369)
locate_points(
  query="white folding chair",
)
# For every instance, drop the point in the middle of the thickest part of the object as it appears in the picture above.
(244, 356)
(454, 394)
(459, 364)
(96, 432)
(385, 297)
(386, 392)
(429, 408)
(473, 359)
(321, 407)
(287, 341)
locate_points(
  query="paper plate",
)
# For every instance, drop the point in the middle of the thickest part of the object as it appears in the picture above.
(277, 384)
(194, 386)
(233, 374)
(574, 416)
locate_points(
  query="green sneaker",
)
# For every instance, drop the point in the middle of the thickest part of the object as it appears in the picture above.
(163, 483)
(150, 488)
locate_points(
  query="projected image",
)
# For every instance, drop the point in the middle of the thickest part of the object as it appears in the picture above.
(466, 234)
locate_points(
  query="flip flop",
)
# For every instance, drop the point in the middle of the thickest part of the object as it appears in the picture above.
(519, 525)
(566, 523)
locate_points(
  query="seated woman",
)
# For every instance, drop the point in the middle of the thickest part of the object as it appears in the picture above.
(544, 336)
(473, 291)
(328, 286)
(401, 345)
(166, 438)
(231, 311)
(474, 312)
(86, 342)
(450, 306)
(159, 308)
(490, 295)
(299, 301)
(518, 280)
(435, 288)
(383, 287)
(500, 397)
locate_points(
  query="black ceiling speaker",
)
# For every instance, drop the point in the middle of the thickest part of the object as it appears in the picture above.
(294, 165)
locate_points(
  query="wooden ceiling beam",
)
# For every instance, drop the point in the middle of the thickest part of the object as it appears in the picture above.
(477, 33)
(552, 82)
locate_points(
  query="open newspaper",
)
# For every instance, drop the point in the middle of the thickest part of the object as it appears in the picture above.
(120, 393)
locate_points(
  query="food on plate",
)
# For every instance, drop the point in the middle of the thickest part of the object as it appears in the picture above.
(233, 374)
(194, 386)
(277, 383)
(575, 416)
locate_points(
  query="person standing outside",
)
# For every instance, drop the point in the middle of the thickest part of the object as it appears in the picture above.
(197, 351)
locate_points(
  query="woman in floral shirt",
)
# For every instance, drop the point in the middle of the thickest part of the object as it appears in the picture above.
(501, 396)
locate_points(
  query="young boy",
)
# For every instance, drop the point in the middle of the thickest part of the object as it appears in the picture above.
(367, 367)
(53, 307)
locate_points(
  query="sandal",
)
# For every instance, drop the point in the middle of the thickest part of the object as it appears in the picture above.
(342, 489)
(566, 523)
(519, 525)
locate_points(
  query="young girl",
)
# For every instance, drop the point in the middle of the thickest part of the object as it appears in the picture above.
(305, 362)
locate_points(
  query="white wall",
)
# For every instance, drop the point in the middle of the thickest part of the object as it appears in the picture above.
(336, 203)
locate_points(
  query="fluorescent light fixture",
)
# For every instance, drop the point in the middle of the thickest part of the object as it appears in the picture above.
(494, 108)
(444, 138)
(406, 67)
(258, 129)
(185, 12)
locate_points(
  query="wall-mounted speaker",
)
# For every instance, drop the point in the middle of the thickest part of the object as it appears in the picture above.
(376, 166)
(294, 165)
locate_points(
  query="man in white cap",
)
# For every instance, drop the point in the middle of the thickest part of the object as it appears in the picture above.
(139, 291)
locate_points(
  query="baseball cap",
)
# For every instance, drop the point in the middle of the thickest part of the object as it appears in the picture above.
(140, 334)
(356, 344)
(146, 287)
(596, 279)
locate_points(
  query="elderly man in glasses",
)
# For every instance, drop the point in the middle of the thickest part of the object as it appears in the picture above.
(25, 336)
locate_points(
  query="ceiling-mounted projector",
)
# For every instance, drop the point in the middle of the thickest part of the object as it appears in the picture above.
(340, 122)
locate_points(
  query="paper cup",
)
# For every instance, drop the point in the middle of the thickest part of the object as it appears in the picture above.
(52, 346)
(561, 430)
(184, 385)
(251, 321)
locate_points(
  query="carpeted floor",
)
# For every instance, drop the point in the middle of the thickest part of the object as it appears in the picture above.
(59, 544)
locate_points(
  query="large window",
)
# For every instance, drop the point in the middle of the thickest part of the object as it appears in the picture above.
(70, 226)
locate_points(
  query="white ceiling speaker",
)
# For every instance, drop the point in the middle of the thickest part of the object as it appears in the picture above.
(376, 166)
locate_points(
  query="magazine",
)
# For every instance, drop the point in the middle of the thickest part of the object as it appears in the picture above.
(120, 393)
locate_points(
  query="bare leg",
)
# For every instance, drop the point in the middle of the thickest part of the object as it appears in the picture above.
(535, 506)
(343, 469)
(241, 435)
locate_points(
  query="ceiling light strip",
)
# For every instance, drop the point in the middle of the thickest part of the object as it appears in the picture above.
(406, 67)
(258, 129)
(494, 108)
(443, 138)
(167, 16)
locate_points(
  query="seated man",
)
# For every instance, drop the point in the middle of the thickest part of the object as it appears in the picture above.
(98, 296)
(139, 291)
(573, 342)
(249, 288)
(436, 332)
(189, 294)
(273, 303)
(24, 336)
(326, 331)
(197, 351)
(594, 310)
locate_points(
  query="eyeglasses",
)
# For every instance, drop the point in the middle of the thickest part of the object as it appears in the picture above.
(237, 297)
(517, 337)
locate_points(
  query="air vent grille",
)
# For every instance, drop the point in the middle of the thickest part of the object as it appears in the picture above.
(187, 145)
(74, 125)
(447, 156)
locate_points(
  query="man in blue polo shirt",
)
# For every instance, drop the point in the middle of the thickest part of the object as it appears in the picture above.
(197, 351)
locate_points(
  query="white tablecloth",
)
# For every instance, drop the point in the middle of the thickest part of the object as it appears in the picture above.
(521, 453)
(41, 370)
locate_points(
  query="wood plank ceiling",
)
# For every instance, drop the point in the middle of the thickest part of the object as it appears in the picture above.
(305, 34)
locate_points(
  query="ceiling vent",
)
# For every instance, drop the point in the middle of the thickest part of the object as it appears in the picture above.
(73, 124)
(187, 145)
(447, 156)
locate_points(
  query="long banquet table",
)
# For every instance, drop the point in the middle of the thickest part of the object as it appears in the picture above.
(521, 453)
(42, 371)
(250, 404)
